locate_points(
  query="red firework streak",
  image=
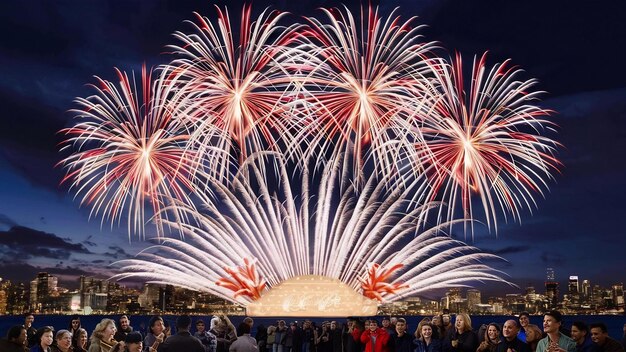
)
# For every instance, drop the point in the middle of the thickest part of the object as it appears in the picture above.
(376, 285)
(244, 281)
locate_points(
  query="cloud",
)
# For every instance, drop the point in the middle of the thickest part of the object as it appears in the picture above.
(5, 220)
(511, 250)
(554, 259)
(21, 243)
(117, 252)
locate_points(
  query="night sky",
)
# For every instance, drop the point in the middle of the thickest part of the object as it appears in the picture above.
(50, 50)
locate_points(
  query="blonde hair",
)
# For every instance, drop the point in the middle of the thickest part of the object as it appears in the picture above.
(98, 332)
(536, 330)
(418, 331)
(467, 321)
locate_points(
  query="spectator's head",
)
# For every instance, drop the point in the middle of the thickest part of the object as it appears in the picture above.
(463, 322)
(104, 330)
(17, 334)
(492, 333)
(373, 324)
(183, 322)
(524, 319)
(552, 321)
(243, 328)
(124, 322)
(579, 331)
(82, 338)
(200, 326)
(424, 330)
(29, 318)
(510, 329)
(533, 333)
(401, 326)
(134, 341)
(74, 323)
(156, 325)
(64, 339)
(599, 333)
(44, 336)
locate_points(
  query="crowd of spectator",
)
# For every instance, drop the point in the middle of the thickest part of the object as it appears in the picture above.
(437, 334)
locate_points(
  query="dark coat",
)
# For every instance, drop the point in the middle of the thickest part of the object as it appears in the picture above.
(434, 346)
(467, 342)
(9, 346)
(402, 343)
(182, 341)
(517, 345)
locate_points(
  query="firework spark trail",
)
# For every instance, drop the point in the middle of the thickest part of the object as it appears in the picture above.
(364, 83)
(487, 143)
(236, 96)
(265, 224)
(127, 151)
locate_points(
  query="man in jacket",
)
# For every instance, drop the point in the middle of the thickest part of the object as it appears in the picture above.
(182, 341)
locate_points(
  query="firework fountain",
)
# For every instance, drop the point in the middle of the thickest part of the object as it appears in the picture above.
(334, 153)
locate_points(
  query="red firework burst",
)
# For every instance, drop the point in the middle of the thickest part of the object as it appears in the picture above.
(485, 143)
(364, 84)
(234, 96)
(128, 151)
(244, 281)
(376, 285)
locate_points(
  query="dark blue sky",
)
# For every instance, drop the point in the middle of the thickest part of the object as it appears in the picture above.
(50, 49)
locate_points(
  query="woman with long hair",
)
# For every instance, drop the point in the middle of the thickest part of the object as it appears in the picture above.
(79, 342)
(491, 339)
(463, 338)
(533, 335)
(102, 336)
(73, 328)
(425, 340)
(155, 335)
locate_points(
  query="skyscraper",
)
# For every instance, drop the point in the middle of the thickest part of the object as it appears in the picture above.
(617, 292)
(573, 288)
(552, 289)
(586, 290)
(473, 299)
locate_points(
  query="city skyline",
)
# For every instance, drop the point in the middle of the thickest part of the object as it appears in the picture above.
(42, 295)
(57, 51)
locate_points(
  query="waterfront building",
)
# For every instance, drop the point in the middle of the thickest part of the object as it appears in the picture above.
(3, 298)
(617, 294)
(552, 289)
(474, 300)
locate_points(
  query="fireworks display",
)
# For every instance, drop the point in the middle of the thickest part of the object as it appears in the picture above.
(234, 96)
(337, 147)
(485, 143)
(370, 239)
(364, 85)
(130, 152)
